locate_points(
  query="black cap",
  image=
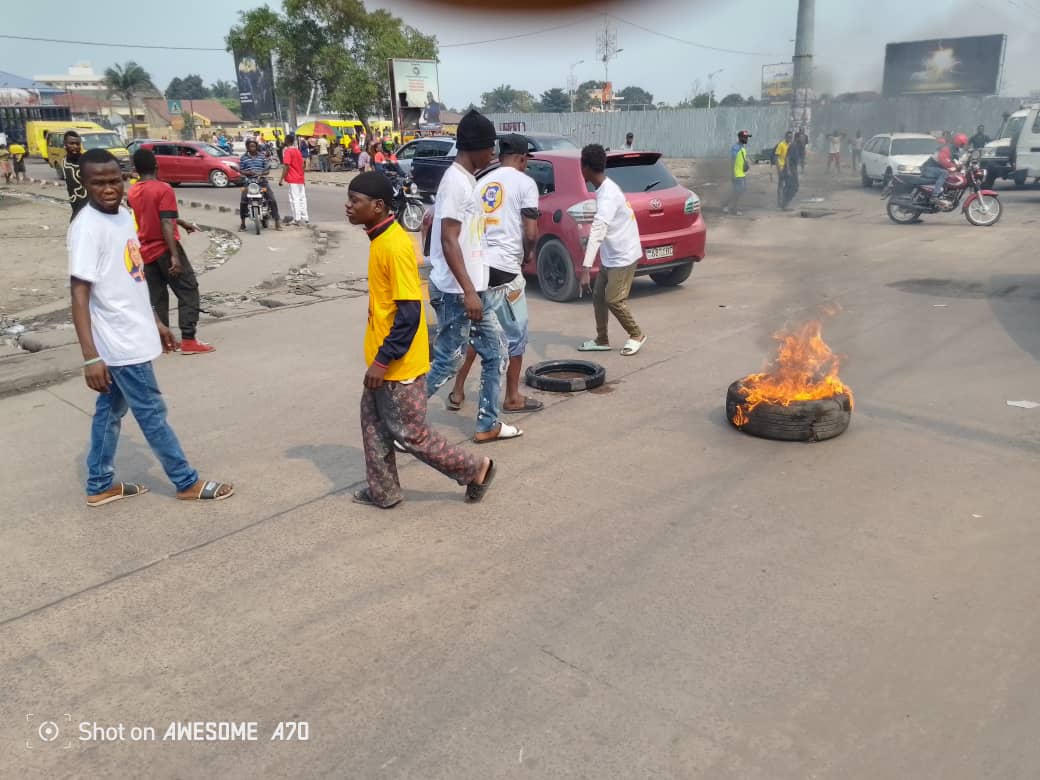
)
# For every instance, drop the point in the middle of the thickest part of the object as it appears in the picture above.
(475, 132)
(513, 143)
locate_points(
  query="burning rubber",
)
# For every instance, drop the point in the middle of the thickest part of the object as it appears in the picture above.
(799, 396)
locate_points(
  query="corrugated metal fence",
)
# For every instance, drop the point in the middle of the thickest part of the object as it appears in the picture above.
(710, 133)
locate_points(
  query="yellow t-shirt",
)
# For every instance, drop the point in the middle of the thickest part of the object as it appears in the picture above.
(17, 150)
(781, 154)
(393, 275)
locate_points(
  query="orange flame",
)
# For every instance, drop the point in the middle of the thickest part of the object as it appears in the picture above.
(805, 369)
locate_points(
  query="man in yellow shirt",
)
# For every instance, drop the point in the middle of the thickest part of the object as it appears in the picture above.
(18, 158)
(780, 153)
(397, 351)
(741, 165)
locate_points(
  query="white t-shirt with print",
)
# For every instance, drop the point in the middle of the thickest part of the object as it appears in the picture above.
(621, 247)
(457, 200)
(104, 251)
(503, 193)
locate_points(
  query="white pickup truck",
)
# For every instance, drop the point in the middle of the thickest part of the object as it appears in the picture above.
(1025, 147)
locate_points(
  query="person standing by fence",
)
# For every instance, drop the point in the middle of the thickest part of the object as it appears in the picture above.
(741, 165)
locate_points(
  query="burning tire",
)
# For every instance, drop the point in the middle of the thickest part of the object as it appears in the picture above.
(799, 396)
(799, 421)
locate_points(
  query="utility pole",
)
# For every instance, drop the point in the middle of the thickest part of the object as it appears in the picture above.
(802, 94)
(572, 84)
(607, 49)
(711, 84)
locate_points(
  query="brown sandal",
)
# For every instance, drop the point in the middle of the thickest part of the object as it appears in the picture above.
(124, 490)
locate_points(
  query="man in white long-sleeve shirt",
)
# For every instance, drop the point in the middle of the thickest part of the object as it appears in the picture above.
(615, 236)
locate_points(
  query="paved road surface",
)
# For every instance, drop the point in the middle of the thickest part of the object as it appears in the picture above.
(645, 591)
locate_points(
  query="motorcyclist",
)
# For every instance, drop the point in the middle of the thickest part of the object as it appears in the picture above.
(255, 166)
(938, 166)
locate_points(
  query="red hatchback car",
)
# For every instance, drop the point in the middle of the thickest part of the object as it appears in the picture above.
(189, 162)
(671, 228)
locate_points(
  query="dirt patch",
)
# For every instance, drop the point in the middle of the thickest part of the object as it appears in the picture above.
(35, 267)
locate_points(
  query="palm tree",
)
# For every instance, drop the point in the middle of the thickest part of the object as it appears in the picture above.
(127, 81)
(223, 89)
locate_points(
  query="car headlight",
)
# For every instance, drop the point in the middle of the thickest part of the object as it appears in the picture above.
(909, 169)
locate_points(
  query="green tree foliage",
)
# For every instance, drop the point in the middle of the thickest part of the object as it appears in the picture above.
(503, 99)
(128, 81)
(336, 46)
(732, 99)
(635, 99)
(224, 90)
(554, 101)
(191, 87)
(582, 99)
(700, 100)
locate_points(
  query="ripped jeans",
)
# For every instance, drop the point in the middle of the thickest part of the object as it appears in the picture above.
(454, 332)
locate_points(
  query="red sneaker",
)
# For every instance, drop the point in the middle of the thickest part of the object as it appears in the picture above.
(195, 347)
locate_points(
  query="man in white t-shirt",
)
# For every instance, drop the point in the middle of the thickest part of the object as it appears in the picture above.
(120, 335)
(459, 291)
(615, 235)
(509, 198)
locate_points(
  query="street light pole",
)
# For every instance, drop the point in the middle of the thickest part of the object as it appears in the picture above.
(712, 75)
(801, 97)
(571, 84)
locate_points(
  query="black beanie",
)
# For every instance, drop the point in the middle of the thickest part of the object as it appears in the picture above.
(375, 185)
(475, 132)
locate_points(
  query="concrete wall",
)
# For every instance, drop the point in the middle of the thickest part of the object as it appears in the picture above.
(710, 133)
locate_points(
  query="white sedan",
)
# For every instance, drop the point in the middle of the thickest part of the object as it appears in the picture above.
(891, 153)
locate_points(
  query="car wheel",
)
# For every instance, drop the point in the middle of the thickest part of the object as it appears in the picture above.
(1019, 179)
(565, 376)
(799, 421)
(673, 277)
(218, 178)
(864, 177)
(888, 176)
(990, 180)
(556, 274)
(174, 183)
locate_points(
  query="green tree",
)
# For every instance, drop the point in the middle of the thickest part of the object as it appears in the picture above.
(635, 98)
(700, 100)
(128, 81)
(503, 99)
(337, 46)
(224, 90)
(732, 99)
(191, 87)
(582, 99)
(555, 101)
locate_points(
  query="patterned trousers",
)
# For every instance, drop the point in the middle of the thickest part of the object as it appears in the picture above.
(397, 412)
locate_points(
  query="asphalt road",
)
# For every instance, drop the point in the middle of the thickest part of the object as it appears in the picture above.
(645, 592)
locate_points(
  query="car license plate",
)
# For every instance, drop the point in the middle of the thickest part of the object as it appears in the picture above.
(657, 252)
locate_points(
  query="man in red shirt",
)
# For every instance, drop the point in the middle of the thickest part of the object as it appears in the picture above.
(292, 174)
(166, 265)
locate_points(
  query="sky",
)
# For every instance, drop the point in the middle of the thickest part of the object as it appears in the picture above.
(848, 47)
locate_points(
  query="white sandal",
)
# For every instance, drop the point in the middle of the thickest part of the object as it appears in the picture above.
(505, 431)
(632, 346)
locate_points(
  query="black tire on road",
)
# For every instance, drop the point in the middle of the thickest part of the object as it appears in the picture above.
(218, 178)
(801, 421)
(865, 179)
(1020, 179)
(556, 274)
(897, 213)
(990, 180)
(541, 376)
(673, 277)
(256, 223)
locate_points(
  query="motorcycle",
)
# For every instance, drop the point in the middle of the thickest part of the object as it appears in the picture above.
(407, 205)
(911, 196)
(256, 203)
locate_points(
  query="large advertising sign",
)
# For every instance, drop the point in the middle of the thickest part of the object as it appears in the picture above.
(255, 85)
(415, 93)
(777, 81)
(965, 66)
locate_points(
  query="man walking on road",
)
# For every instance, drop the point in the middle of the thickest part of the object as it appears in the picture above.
(293, 175)
(166, 266)
(323, 153)
(740, 167)
(466, 308)
(615, 235)
(70, 171)
(18, 162)
(120, 336)
(393, 404)
(510, 201)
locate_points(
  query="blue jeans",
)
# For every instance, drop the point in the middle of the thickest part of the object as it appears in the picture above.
(512, 315)
(938, 174)
(454, 331)
(133, 387)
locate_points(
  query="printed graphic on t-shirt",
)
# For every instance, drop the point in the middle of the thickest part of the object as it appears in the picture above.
(133, 261)
(492, 196)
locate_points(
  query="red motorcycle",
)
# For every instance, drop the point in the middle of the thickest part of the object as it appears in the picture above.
(911, 196)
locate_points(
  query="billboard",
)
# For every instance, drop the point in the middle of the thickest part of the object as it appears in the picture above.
(255, 85)
(415, 93)
(965, 66)
(777, 81)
